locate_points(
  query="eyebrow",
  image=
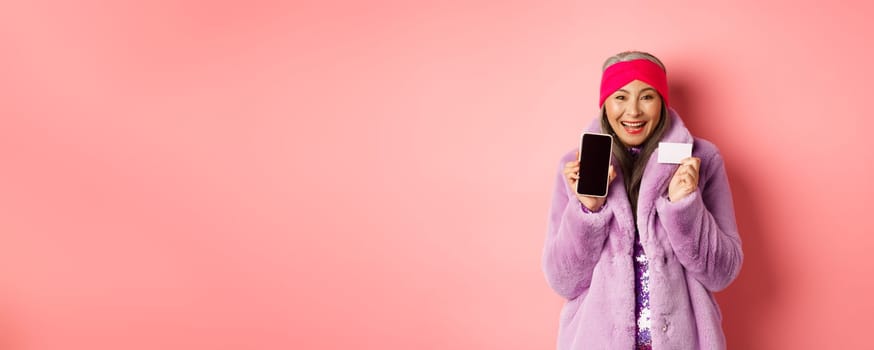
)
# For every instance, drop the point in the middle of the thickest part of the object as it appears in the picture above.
(646, 89)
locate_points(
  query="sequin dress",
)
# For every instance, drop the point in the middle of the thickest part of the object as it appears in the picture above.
(641, 288)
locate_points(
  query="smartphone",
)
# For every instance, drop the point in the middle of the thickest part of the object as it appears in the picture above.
(595, 152)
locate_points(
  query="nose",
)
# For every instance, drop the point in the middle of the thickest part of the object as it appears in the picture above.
(633, 109)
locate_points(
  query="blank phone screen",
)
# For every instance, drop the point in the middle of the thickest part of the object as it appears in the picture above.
(594, 164)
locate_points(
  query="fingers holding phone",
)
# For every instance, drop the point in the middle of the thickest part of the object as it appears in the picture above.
(572, 175)
(595, 203)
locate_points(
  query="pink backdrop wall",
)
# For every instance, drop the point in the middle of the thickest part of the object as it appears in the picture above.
(328, 175)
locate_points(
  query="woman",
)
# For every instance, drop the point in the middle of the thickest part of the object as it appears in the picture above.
(638, 268)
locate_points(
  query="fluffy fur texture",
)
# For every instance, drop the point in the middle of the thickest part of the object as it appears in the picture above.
(692, 244)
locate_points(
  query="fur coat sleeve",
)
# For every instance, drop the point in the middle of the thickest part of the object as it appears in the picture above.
(702, 230)
(574, 240)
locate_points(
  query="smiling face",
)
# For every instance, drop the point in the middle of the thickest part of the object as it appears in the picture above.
(633, 112)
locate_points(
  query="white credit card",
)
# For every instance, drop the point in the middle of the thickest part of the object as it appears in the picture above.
(674, 153)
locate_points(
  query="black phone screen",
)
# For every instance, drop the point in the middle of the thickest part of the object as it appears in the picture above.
(594, 164)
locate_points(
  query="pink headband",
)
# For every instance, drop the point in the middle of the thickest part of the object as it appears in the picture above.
(622, 73)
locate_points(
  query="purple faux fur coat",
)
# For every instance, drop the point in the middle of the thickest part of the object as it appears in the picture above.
(692, 245)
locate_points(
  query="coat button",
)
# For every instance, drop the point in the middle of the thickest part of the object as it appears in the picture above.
(665, 328)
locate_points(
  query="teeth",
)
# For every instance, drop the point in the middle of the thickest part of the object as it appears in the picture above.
(634, 125)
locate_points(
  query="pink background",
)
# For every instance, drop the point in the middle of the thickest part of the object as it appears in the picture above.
(327, 175)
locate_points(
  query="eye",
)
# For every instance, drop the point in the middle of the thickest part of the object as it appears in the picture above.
(647, 97)
(620, 97)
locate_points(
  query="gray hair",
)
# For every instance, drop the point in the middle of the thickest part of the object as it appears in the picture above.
(630, 56)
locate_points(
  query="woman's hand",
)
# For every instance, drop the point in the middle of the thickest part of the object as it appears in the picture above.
(572, 175)
(685, 180)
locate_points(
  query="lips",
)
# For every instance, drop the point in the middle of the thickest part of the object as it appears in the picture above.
(633, 128)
